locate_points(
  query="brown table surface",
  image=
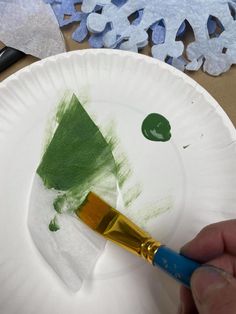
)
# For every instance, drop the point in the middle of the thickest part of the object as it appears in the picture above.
(222, 88)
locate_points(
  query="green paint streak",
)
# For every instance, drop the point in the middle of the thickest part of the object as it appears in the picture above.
(53, 123)
(155, 127)
(131, 195)
(53, 225)
(77, 157)
(145, 215)
(122, 164)
(63, 106)
(154, 213)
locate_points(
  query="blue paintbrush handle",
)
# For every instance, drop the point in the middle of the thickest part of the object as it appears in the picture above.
(176, 265)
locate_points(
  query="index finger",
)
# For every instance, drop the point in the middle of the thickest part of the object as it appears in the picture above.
(212, 241)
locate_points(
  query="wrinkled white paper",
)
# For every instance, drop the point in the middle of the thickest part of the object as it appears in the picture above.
(72, 251)
(30, 26)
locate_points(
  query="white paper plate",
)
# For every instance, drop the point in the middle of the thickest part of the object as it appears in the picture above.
(202, 177)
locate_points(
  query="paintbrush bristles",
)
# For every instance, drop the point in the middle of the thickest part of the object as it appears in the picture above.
(96, 213)
(111, 224)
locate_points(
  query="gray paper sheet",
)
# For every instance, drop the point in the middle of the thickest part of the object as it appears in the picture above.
(30, 26)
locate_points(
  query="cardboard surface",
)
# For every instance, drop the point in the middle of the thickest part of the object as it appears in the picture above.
(222, 88)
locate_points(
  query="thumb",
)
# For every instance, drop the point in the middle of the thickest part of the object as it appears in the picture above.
(213, 291)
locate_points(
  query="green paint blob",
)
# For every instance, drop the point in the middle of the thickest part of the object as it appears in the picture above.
(155, 127)
(58, 205)
(77, 157)
(53, 225)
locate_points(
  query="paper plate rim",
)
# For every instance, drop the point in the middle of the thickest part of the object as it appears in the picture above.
(121, 53)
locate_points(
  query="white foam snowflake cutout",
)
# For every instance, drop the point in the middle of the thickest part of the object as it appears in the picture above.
(127, 24)
(216, 53)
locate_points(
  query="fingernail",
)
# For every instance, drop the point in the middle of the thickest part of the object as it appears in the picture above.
(205, 279)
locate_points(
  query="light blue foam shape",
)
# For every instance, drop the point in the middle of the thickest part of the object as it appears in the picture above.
(211, 26)
(139, 17)
(81, 32)
(158, 34)
(112, 28)
(64, 8)
(132, 36)
(89, 5)
(96, 40)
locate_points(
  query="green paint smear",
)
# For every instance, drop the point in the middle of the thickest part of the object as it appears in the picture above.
(154, 213)
(53, 225)
(143, 216)
(123, 170)
(157, 128)
(131, 195)
(77, 157)
(77, 152)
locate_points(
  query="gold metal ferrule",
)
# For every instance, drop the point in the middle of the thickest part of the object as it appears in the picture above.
(114, 226)
(125, 233)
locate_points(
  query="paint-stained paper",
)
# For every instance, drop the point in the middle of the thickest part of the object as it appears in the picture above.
(71, 252)
(77, 160)
(30, 26)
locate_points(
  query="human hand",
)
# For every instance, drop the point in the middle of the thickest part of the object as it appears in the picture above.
(213, 290)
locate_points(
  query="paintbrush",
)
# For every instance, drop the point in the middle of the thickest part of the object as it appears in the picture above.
(114, 226)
